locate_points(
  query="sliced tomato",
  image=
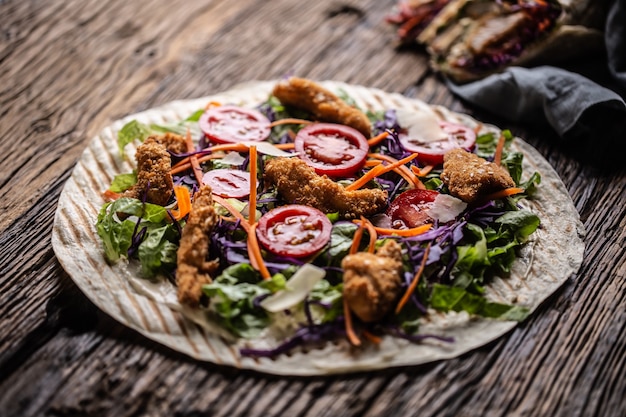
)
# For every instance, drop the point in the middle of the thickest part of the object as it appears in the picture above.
(410, 209)
(228, 182)
(332, 149)
(431, 153)
(294, 230)
(232, 124)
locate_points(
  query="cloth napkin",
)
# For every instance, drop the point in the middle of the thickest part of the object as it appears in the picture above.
(577, 108)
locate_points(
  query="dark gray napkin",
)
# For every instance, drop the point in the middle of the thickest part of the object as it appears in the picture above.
(576, 107)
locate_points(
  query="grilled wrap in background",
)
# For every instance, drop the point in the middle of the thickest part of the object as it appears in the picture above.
(470, 39)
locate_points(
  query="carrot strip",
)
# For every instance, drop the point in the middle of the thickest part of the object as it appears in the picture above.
(253, 260)
(415, 231)
(252, 198)
(371, 337)
(352, 337)
(371, 230)
(381, 169)
(233, 147)
(184, 164)
(193, 159)
(356, 240)
(402, 170)
(478, 128)
(290, 121)
(422, 172)
(212, 104)
(497, 157)
(255, 251)
(183, 199)
(369, 175)
(244, 222)
(411, 289)
(377, 139)
(504, 193)
(373, 162)
(285, 146)
(110, 195)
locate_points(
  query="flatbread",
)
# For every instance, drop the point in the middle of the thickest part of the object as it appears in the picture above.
(552, 255)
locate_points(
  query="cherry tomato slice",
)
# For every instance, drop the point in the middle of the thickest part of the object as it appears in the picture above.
(332, 149)
(294, 230)
(232, 124)
(409, 209)
(431, 153)
(228, 182)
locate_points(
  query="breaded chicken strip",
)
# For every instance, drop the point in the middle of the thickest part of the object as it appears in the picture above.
(372, 282)
(154, 180)
(173, 143)
(323, 104)
(470, 177)
(298, 183)
(193, 269)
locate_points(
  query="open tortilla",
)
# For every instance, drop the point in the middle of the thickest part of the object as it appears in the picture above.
(552, 255)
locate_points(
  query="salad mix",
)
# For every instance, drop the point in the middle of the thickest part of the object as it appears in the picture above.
(280, 264)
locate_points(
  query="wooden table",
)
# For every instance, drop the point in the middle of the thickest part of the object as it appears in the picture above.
(69, 68)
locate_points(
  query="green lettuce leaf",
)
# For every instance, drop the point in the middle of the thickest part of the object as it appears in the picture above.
(449, 298)
(131, 131)
(123, 182)
(232, 297)
(157, 250)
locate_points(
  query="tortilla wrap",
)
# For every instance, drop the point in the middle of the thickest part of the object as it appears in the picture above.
(552, 255)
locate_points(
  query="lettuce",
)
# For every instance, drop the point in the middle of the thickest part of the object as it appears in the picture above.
(129, 227)
(446, 298)
(233, 295)
(123, 182)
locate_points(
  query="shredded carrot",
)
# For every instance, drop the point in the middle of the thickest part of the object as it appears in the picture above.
(232, 147)
(184, 164)
(373, 234)
(411, 289)
(212, 104)
(183, 198)
(255, 252)
(381, 169)
(497, 157)
(422, 172)
(415, 231)
(504, 193)
(253, 261)
(352, 337)
(373, 162)
(222, 202)
(252, 198)
(290, 121)
(356, 240)
(193, 159)
(371, 337)
(377, 139)
(478, 128)
(285, 146)
(369, 175)
(399, 167)
(111, 195)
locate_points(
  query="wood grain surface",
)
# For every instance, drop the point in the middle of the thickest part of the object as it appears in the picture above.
(70, 68)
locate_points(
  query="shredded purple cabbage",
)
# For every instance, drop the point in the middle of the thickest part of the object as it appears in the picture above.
(305, 336)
